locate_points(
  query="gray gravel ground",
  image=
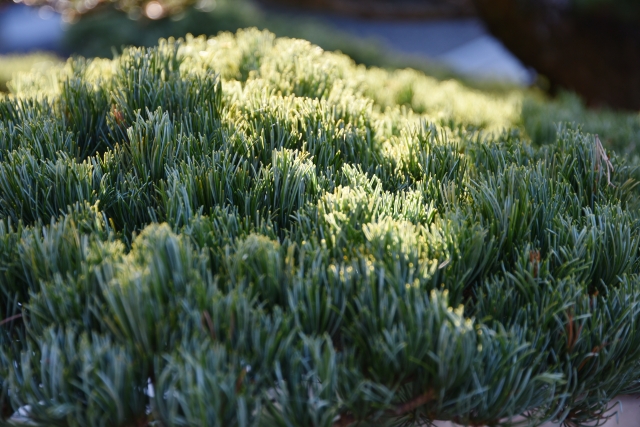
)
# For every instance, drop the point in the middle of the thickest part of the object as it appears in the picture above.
(461, 44)
(628, 415)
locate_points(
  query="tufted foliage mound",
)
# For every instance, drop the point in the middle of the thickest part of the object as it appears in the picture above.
(249, 231)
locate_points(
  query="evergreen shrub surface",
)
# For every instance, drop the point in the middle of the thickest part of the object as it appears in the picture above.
(250, 231)
(12, 64)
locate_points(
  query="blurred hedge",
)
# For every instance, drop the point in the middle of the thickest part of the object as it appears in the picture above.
(86, 37)
(12, 64)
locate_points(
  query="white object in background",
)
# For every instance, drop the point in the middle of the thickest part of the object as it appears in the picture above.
(486, 57)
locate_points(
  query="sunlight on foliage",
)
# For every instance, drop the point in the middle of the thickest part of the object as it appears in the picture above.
(247, 230)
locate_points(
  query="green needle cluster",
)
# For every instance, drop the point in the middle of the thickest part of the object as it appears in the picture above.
(249, 231)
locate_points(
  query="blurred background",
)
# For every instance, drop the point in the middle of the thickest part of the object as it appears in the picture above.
(588, 47)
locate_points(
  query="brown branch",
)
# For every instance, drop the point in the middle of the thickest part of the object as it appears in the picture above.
(9, 319)
(477, 423)
(414, 403)
(572, 335)
(344, 421)
(569, 331)
(594, 352)
(208, 323)
(139, 421)
(240, 379)
(534, 259)
(404, 408)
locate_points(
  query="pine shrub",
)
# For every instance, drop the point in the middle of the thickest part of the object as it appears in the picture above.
(12, 64)
(246, 230)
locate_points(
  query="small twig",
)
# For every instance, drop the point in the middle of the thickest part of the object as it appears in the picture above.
(206, 319)
(426, 397)
(117, 114)
(534, 259)
(572, 335)
(240, 379)
(569, 330)
(9, 319)
(142, 421)
(594, 352)
(478, 423)
(414, 403)
(601, 156)
(344, 421)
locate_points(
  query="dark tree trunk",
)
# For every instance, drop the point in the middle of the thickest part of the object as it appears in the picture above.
(595, 54)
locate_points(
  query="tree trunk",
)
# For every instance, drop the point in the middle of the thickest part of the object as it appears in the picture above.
(596, 55)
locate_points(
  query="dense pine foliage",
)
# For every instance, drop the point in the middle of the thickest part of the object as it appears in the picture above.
(250, 231)
(10, 65)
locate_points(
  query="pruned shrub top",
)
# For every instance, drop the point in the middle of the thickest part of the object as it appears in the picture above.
(250, 231)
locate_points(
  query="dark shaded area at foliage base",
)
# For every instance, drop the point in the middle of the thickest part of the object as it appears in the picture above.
(594, 55)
